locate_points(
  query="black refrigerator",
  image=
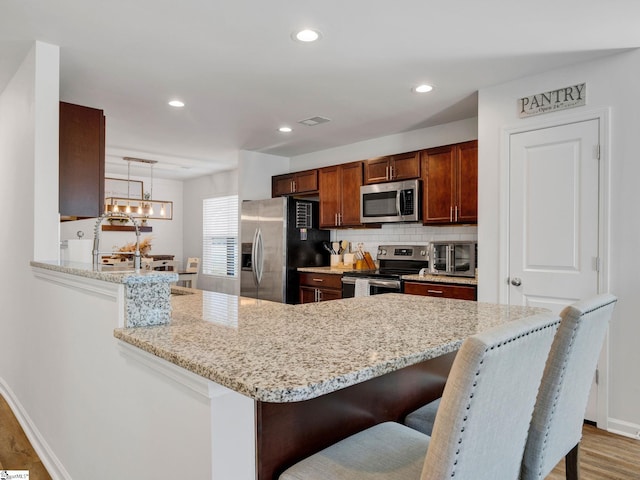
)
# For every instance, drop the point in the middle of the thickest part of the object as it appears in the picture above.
(278, 235)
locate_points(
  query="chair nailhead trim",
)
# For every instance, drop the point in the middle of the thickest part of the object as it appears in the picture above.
(553, 324)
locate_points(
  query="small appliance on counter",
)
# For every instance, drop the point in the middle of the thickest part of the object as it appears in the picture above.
(279, 235)
(395, 261)
(453, 258)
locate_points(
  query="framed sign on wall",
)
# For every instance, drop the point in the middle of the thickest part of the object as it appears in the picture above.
(117, 187)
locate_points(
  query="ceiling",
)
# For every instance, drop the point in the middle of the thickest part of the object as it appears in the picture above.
(241, 75)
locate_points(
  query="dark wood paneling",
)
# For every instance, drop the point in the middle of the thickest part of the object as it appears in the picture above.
(289, 432)
(81, 162)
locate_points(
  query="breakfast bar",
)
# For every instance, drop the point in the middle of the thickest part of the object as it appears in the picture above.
(318, 372)
(273, 382)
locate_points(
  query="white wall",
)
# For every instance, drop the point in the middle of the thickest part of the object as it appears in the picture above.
(61, 369)
(195, 191)
(167, 235)
(611, 82)
(28, 120)
(251, 181)
(454, 132)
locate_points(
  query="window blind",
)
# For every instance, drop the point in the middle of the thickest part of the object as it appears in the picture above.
(220, 236)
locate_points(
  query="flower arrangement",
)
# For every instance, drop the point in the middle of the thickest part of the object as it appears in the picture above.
(145, 248)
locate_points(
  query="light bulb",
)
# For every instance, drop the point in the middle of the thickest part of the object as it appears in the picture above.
(150, 209)
(128, 209)
(162, 211)
(140, 209)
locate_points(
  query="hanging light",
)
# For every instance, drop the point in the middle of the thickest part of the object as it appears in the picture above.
(145, 206)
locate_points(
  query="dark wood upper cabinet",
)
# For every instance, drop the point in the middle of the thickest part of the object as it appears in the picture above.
(450, 180)
(340, 195)
(81, 161)
(402, 166)
(294, 183)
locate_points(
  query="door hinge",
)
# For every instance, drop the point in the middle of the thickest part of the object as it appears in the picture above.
(597, 379)
(596, 151)
(596, 264)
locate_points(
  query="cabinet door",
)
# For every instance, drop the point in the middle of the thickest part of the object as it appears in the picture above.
(439, 179)
(405, 166)
(306, 181)
(81, 161)
(376, 170)
(467, 182)
(351, 175)
(281, 185)
(329, 183)
(460, 292)
(307, 294)
(325, 294)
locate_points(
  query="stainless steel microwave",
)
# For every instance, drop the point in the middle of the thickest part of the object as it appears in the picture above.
(390, 202)
(453, 258)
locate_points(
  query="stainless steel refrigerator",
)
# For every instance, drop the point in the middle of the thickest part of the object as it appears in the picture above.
(278, 235)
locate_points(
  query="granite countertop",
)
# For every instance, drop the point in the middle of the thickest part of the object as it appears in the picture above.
(108, 273)
(334, 270)
(275, 352)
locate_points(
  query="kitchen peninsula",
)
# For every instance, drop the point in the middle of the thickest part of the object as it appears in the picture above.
(283, 380)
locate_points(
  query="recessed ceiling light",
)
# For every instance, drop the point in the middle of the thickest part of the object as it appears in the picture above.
(424, 88)
(285, 129)
(307, 35)
(176, 103)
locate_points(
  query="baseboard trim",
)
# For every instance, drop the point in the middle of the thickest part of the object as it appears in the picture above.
(51, 462)
(621, 427)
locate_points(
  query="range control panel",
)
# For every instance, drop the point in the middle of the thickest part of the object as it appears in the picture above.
(403, 252)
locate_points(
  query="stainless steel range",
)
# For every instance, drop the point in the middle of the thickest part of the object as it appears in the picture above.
(395, 261)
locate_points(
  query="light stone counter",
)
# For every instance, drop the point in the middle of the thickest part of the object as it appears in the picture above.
(275, 352)
(146, 296)
(334, 270)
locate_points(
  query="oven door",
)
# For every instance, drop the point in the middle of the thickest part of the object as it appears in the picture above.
(376, 286)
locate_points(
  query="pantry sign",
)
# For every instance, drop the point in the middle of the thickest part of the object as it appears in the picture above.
(553, 100)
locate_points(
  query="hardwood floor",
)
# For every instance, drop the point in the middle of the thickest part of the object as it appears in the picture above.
(603, 456)
(16, 452)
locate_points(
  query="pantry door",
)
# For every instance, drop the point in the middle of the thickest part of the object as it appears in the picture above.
(553, 217)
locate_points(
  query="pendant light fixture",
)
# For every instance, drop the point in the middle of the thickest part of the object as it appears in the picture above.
(144, 207)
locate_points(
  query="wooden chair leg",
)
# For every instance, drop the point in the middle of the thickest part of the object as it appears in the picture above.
(571, 462)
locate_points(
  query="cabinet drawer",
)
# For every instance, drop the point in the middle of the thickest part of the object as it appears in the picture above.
(322, 280)
(461, 292)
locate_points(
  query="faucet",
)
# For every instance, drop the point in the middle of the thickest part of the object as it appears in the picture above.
(96, 238)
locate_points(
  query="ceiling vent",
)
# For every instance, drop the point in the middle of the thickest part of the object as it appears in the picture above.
(313, 121)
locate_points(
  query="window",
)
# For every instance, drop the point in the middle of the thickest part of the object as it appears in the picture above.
(220, 236)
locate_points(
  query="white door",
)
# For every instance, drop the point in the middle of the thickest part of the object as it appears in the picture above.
(553, 217)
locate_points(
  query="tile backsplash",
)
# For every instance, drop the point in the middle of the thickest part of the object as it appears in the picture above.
(404, 234)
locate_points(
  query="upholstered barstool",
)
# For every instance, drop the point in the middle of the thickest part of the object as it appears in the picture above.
(556, 426)
(481, 427)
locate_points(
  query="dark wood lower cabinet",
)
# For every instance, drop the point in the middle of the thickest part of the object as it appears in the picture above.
(289, 432)
(428, 289)
(319, 287)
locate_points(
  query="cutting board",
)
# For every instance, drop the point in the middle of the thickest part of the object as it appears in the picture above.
(369, 261)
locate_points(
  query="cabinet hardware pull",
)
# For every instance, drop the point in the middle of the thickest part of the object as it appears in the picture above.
(335, 219)
(319, 295)
(456, 213)
(317, 279)
(391, 173)
(440, 292)
(386, 172)
(451, 214)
